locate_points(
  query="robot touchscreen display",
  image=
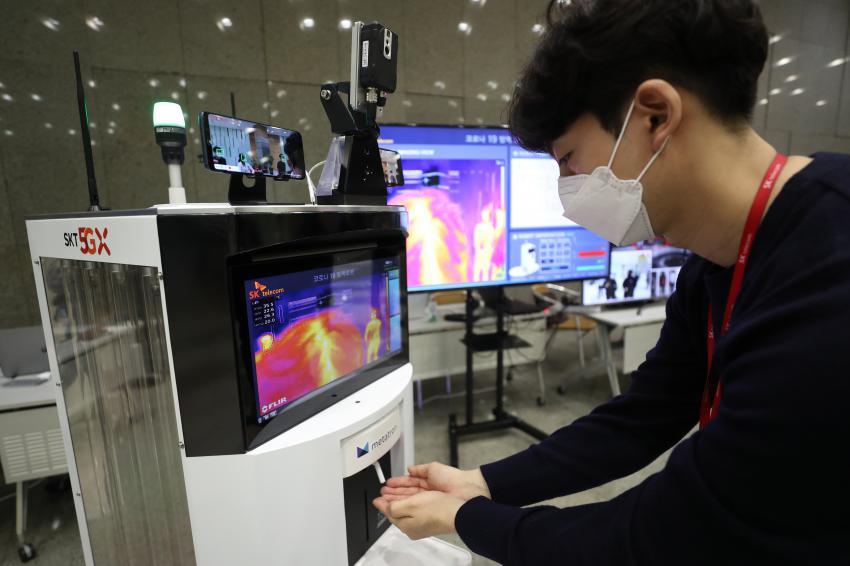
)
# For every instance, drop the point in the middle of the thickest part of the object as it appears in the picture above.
(310, 328)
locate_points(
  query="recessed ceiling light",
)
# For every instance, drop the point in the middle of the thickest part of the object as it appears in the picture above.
(48, 125)
(266, 105)
(492, 85)
(837, 62)
(406, 103)
(275, 113)
(51, 24)
(154, 82)
(71, 132)
(481, 96)
(307, 23)
(202, 94)
(94, 23)
(784, 61)
(775, 39)
(224, 24)
(110, 131)
(506, 97)
(453, 103)
(345, 24)
(182, 83)
(91, 83)
(776, 91)
(281, 93)
(7, 97)
(112, 124)
(537, 28)
(36, 97)
(93, 125)
(440, 85)
(116, 106)
(797, 91)
(464, 27)
(821, 103)
(763, 102)
(9, 132)
(175, 95)
(791, 78)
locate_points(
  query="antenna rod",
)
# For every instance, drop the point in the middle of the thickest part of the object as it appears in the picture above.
(232, 104)
(94, 199)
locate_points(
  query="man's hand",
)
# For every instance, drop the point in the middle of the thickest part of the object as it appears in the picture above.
(425, 514)
(462, 484)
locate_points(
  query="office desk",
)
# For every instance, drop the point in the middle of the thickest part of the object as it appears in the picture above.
(641, 327)
(30, 440)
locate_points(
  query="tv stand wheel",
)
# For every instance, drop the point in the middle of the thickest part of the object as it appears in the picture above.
(26, 552)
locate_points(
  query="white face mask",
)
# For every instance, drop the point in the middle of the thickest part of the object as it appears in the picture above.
(606, 205)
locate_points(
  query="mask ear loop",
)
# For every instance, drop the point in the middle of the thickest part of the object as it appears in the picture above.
(651, 161)
(622, 133)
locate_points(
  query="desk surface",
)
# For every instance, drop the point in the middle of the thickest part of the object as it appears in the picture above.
(424, 326)
(629, 316)
(26, 391)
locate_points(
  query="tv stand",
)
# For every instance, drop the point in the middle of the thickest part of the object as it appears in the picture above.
(495, 342)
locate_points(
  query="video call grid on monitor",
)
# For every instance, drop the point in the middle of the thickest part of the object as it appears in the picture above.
(485, 212)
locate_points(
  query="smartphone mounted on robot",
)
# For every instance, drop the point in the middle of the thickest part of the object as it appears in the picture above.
(356, 171)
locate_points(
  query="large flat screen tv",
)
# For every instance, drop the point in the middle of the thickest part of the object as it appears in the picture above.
(485, 212)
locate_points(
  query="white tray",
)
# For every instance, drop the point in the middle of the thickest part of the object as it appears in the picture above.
(394, 548)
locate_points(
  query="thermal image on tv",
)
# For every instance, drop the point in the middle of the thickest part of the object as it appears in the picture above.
(457, 214)
(311, 328)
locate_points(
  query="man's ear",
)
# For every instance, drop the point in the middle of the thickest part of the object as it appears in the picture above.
(659, 105)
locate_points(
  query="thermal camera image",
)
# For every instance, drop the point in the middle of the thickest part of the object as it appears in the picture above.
(311, 328)
(456, 210)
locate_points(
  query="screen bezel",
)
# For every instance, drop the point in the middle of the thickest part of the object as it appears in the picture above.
(484, 284)
(304, 255)
(204, 125)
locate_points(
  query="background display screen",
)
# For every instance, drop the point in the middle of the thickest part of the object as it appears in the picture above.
(643, 272)
(240, 146)
(483, 211)
(311, 328)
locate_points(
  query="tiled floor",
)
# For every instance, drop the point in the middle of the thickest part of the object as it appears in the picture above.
(53, 524)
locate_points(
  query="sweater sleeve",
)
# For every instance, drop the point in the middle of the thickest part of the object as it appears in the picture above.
(622, 436)
(763, 483)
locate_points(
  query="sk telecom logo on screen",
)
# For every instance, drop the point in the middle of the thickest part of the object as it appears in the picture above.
(261, 290)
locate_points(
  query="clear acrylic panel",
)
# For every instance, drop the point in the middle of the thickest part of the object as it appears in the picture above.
(109, 332)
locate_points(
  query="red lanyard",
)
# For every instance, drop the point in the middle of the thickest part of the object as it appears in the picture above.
(708, 409)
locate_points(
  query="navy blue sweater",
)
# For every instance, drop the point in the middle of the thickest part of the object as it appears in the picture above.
(768, 480)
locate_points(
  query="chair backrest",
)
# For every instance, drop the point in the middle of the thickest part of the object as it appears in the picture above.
(449, 297)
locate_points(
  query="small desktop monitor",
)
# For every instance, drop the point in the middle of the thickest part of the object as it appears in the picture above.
(647, 271)
(484, 212)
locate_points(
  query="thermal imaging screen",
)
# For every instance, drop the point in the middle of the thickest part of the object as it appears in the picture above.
(482, 211)
(240, 146)
(311, 328)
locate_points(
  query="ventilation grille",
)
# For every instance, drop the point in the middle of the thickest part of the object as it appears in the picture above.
(33, 454)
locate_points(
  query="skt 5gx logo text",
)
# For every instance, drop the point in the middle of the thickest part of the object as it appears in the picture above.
(90, 241)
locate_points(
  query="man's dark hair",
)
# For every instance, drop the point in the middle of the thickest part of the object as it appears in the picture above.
(595, 53)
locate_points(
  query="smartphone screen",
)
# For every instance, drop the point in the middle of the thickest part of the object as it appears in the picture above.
(233, 145)
(391, 163)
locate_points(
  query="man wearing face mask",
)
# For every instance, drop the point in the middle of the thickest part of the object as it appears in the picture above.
(646, 106)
